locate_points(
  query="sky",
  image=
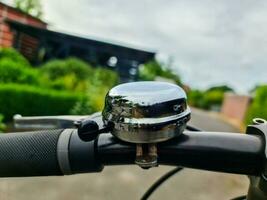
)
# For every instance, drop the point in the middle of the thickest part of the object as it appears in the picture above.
(209, 42)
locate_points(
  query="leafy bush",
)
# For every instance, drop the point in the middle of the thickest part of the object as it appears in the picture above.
(2, 125)
(51, 85)
(99, 84)
(75, 75)
(12, 54)
(213, 99)
(208, 99)
(104, 77)
(258, 108)
(83, 107)
(196, 98)
(72, 66)
(14, 72)
(34, 101)
(222, 88)
(69, 74)
(152, 69)
(68, 83)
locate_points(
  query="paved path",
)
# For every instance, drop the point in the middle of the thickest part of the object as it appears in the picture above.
(130, 182)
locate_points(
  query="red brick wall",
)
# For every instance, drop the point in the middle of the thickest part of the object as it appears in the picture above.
(6, 12)
(235, 106)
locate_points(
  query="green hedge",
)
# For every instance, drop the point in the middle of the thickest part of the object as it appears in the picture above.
(34, 101)
(13, 72)
(69, 86)
(258, 108)
(12, 54)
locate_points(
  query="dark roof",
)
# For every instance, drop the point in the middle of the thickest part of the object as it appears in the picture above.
(22, 12)
(122, 50)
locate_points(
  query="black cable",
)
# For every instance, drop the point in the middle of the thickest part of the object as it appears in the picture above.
(192, 128)
(240, 198)
(159, 182)
(167, 175)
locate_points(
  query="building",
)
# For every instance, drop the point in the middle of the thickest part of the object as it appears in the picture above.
(12, 14)
(31, 37)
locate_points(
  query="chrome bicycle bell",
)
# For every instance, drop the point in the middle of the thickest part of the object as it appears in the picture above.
(146, 113)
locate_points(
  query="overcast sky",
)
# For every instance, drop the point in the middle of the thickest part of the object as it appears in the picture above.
(211, 42)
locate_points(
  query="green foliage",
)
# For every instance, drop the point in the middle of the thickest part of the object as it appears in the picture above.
(153, 69)
(69, 74)
(52, 89)
(258, 108)
(223, 88)
(196, 98)
(33, 101)
(213, 97)
(13, 55)
(254, 89)
(99, 84)
(83, 107)
(55, 69)
(75, 75)
(104, 77)
(32, 7)
(2, 125)
(12, 71)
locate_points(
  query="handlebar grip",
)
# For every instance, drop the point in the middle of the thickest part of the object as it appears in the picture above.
(46, 153)
(29, 154)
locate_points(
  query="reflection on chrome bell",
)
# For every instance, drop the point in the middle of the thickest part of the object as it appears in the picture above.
(146, 112)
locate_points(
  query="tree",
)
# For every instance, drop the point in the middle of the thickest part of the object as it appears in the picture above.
(149, 71)
(222, 88)
(32, 7)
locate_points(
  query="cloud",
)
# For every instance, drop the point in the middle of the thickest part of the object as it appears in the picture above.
(212, 42)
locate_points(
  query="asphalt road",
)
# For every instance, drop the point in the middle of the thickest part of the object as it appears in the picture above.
(130, 182)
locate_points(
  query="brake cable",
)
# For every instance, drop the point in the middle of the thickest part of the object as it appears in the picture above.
(161, 180)
(240, 198)
(166, 176)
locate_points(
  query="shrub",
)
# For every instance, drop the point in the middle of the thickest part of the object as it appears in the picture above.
(12, 54)
(69, 74)
(83, 107)
(104, 77)
(196, 98)
(99, 84)
(152, 69)
(75, 75)
(2, 125)
(213, 99)
(34, 101)
(223, 88)
(55, 69)
(67, 82)
(206, 99)
(14, 72)
(258, 108)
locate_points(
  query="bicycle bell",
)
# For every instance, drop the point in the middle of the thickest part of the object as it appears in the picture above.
(146, 113)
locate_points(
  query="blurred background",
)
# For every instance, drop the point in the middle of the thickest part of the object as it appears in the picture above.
(61, 57)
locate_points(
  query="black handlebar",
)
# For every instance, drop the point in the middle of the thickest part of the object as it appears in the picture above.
(60, 152)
